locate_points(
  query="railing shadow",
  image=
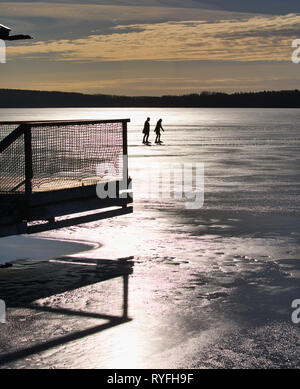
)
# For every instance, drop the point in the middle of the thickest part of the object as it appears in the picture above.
(38, 282)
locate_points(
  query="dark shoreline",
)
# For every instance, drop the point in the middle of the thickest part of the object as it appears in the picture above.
(14, 98)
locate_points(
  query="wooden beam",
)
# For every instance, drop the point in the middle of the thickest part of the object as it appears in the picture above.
(48, 197)
(78, 220)
(58, 122)
(12, 137)
(44, 212)
(28, 163)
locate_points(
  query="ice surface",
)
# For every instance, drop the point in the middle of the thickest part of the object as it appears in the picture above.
(210, 287)
(17, 248)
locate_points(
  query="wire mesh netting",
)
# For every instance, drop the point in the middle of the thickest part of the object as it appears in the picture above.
(64, 156)
(12, 168)
(74, 155)
(6, 129)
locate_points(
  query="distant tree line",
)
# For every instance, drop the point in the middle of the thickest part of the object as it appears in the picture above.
(13, 98)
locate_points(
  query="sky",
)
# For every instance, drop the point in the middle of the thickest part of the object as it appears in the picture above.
(151, 47)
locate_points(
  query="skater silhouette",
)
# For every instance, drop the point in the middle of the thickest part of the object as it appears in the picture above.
(157, 131)
(146, 131)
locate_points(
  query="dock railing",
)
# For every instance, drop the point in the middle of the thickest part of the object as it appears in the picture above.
(55, 163)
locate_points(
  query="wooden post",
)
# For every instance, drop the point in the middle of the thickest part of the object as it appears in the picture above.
(124, 184)
(28, 163)
(125, 145)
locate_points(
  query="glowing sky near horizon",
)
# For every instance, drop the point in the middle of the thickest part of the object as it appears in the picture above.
(151, 47)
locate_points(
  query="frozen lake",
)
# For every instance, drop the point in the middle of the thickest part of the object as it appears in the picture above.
(211, 287)
(251, 156)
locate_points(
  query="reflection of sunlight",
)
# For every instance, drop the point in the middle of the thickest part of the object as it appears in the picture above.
(126, 349)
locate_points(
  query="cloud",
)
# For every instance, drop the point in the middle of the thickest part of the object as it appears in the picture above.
(124, 11)
(71, 20)
(257, 38)
(257, 6)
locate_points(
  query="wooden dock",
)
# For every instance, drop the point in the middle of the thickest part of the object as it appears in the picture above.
(49, 170)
